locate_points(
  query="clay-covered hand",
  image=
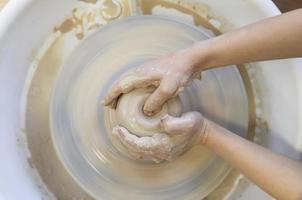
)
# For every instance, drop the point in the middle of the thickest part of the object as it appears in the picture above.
(178, 135)
(169, 75)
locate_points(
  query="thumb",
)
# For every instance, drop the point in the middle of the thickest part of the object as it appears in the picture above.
(173, 125)
(189, 122)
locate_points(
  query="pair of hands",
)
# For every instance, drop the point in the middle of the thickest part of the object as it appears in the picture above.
(169, 75)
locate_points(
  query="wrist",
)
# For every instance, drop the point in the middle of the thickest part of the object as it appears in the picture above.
(199, 56)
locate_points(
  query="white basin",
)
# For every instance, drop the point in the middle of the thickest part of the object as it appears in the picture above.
(26, 24)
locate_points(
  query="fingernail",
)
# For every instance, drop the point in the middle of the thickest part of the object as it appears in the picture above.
(148, 110)
(150, 113)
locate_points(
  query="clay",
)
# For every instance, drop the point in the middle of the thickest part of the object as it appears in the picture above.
(146, 130)
(178, 135)
(86, 19)
(111, 9)
(129, 112)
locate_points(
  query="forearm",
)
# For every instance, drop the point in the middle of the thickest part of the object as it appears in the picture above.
(273, 38)
(279, 176)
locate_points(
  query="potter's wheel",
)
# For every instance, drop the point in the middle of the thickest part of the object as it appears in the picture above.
(82, 136)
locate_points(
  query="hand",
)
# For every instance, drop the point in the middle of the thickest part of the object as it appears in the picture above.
(169, 75)
(162, 146)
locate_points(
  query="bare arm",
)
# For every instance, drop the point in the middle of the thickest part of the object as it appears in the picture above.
(273, 38)
(278, 175)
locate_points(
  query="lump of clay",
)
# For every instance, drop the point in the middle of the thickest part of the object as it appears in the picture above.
(129, 114)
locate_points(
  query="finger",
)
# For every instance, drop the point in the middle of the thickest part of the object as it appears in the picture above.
(165, 91)
(188, 122)
(125, 85)
(121, 133)
(173, 125)
(116, 90)
(156, 147)
(112, 94)
(138, 144)
(127, 139)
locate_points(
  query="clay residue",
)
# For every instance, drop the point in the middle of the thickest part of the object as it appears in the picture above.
(43, 155)
(75, 23)
(251, 102)
(111, 9)
(192, 10)
(89, 1)
(66, 26)
(83, 21)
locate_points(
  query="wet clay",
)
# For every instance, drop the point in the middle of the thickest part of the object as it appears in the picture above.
(129, 112)
(84, 20)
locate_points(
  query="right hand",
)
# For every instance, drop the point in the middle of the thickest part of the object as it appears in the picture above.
(169, 75)
(160, 147)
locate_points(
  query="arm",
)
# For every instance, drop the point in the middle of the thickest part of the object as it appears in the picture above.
(279, 176)
(273, 38)
(276, 174)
